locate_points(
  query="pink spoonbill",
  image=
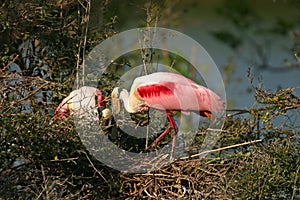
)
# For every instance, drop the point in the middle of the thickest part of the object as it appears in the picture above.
(84, 99)
(168, 92)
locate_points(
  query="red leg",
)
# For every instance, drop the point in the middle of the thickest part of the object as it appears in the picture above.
(172, 125)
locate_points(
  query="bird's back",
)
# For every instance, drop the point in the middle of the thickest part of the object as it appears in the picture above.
(169, 91)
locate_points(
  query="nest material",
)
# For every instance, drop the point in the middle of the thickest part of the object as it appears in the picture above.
(193, 179)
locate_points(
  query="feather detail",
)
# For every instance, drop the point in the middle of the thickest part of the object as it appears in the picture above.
(155, 90)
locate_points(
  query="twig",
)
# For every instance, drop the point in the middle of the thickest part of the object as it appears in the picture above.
(147, 193)
(82, 43)
(11, 62)
(175, 194)
(217, 130)
(65, 159)
(143, 57)
(31, 94)
(222, 148)
(92, 164)
(295, 184)
(45, 181)
(243, 111)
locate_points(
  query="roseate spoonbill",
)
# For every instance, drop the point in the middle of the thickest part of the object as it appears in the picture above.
(167, 92)
(84, 99)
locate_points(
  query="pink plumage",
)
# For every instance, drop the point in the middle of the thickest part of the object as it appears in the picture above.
(169, 92)
(174, 92)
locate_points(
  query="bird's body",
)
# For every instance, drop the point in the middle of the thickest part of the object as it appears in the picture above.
(169, 92)
(80, 101)
(173, 92)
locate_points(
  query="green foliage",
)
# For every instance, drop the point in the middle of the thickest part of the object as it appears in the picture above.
(55, 164)
(269, 172)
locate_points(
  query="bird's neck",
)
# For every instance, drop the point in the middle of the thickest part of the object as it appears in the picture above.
(124, 96)
(132, 102)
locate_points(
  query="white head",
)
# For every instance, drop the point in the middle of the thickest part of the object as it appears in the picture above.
(106, 114)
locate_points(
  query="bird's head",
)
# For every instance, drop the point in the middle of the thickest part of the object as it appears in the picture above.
(106, 114)
(115, 98)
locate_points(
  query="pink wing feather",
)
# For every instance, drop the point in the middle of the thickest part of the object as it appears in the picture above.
(175, 92)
